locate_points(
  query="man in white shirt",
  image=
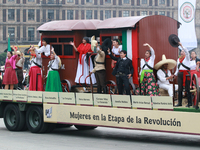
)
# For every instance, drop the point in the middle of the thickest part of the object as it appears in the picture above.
(164, 75)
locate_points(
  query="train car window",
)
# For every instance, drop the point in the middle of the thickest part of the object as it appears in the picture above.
(57, 48)
(68, 50)
(52, 40)
(65, 40)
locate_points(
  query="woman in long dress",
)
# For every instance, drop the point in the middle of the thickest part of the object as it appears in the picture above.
(35, 74)
(53, 83)
(148, 82)
(10, 77)
(83, 49)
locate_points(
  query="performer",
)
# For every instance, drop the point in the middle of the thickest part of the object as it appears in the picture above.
(35, 75)
(147, 79)
(183, 69)
(53, 83)
(45, 47)
(99, 70)
(10, 77)
(123, 71)
(19, 69)
(194, 61)
(84, 48)
(116, 47)
(164, 75)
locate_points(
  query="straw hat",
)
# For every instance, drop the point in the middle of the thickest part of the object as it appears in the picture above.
(18, 53)
(93, 42)
(171, 63)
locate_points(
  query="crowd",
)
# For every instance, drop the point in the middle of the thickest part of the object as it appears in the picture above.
(121, 65)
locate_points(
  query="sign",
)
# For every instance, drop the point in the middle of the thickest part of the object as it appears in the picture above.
(102, 100)
(84, 99)
(162, 102)
(141, 102)
(122, 101)
(50, 97)
(168, 121)
(186, 16)
(67, 98)
(6, 95)
(20, 95)
(34, 97)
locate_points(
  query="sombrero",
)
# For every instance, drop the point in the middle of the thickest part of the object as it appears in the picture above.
(173, 40)
(18, 53)
(93, 43)
(171, 63)
(107, 43)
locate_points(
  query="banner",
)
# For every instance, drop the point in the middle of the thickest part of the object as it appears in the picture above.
(186, 16)
(152, 120)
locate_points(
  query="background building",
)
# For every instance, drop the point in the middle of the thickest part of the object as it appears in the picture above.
(21, 18)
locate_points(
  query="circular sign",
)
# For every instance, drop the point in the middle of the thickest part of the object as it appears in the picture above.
(187, 12)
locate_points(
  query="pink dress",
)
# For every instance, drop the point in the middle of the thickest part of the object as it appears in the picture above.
(10, 76)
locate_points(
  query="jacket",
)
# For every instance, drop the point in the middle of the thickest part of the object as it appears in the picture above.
(12, 61)
(99, 61)
(128, 64)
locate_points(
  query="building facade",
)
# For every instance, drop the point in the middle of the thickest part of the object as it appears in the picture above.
(21, 18)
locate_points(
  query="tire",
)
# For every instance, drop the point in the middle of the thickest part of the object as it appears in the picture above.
(14, 119)
(34, 120)
(79, 127)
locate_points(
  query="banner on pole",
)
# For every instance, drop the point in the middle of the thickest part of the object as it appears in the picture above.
(186, 16)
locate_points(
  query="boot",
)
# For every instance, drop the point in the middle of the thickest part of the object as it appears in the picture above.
(189, 99)
(99, 90)
(180, 96)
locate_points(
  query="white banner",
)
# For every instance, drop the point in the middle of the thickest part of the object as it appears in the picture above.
(186, 16)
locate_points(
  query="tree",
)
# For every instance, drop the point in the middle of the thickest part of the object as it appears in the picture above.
(2, 58)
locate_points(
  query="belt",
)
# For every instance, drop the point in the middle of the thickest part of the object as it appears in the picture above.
(8, 67)
(18, 67)
(121, 74)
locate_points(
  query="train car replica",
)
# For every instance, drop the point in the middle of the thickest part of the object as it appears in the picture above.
(41, 111)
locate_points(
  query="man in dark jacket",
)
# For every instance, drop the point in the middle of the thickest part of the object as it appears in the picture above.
(123, 71)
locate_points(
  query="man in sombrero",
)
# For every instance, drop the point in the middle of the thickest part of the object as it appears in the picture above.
(164, 75)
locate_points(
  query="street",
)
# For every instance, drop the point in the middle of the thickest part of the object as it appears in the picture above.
(100, 138)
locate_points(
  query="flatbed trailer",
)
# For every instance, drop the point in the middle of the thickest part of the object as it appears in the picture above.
(41, 111)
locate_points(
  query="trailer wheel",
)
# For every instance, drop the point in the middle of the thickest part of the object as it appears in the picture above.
(66, 85)
(79, 127)
(111, 87)
(34, 120)
(14, 119)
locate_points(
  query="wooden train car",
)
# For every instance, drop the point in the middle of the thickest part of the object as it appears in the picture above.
(132, 31)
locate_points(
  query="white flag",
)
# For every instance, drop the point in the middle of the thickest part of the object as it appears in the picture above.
(186, 16)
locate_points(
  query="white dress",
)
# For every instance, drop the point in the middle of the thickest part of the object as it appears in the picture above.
(85, 72)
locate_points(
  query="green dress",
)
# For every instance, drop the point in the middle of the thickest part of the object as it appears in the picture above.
(53, 83)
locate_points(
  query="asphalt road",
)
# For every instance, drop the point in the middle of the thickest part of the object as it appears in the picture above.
(98, 139)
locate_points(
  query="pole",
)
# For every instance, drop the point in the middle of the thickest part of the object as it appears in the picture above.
(173, 87)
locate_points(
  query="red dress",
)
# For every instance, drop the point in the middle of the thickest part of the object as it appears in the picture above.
(10, 76)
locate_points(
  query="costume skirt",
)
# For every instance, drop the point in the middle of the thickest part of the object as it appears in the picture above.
(53, 83)
(149, 87)
(83, 71)
(10, 76)
(35, 77)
